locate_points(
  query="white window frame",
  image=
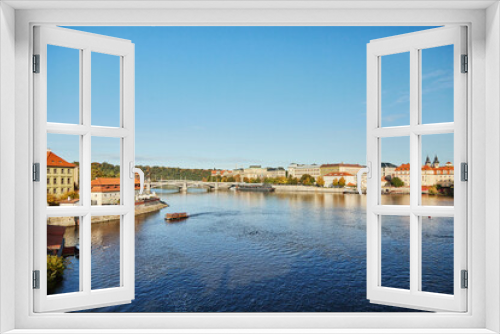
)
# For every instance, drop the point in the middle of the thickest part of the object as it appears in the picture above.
(484, 308)
(414, 43)
(86, 44)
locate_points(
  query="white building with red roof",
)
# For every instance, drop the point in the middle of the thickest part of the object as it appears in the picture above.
(106, 190)
(60, 175)
(348, 177)
(432, 173)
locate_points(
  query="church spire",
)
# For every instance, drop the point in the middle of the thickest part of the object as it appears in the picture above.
(435, 164)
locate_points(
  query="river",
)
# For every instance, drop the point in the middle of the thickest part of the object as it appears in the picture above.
(264, 252)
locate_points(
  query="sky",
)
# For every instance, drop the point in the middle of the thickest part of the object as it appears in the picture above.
(228, 97)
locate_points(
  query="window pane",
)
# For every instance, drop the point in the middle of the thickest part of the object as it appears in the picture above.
(437, 254)
(395, 246)
(105, 171)
(437, 170)
(395, 92)
(105, 90)
(63, 170)
(63, 266)
(106, 242)
(63, 85)
(395, 170)
(437, 84)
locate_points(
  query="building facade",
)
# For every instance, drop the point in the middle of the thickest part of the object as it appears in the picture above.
(106, 190)
(432, 173)
(60, 175)
(297, 170)
(340, 167)
(254, 171)
(350, 179)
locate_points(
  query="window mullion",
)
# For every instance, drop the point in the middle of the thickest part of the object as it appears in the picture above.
(85, 189)
(414, 170)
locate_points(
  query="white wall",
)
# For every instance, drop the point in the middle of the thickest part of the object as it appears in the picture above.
(7, 158)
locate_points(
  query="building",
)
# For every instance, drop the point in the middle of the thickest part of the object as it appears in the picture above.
(60, 175)
(387, 170)
(275, 172)
(297, 170)
(403, 173)
(349, 178)
(340, 167)
(106, 190)
(432, 173)
(255, 171)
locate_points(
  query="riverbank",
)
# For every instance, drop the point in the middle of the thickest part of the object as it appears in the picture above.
(140, 209)
(308, 189)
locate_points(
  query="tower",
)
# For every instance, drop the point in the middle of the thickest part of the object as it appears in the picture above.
(435, 164)
(428, 161)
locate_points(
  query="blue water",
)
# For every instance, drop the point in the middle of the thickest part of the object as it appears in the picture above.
(256, 252)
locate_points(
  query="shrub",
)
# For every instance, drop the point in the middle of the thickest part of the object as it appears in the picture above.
(52, 200)
(397, 182)
(55, 270)
(432, 191)
(342, 182)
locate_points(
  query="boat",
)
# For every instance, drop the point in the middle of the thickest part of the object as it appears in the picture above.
(176, 216)
(256, 188)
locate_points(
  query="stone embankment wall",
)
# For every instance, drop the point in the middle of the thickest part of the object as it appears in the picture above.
(308, 189)
(139, 210)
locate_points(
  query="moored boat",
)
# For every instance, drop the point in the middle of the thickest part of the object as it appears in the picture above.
(256, 188)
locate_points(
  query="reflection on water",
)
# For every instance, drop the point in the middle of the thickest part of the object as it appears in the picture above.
(252, 252)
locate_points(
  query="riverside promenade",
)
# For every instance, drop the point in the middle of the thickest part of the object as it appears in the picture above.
(307, 189)
(140, 209)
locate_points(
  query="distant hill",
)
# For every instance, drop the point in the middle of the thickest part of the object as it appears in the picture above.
(155, 172)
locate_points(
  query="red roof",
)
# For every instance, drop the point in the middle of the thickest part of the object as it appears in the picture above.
(403, 167)
(428, 168)
(53, 160)
(108, 185)
(339, 174)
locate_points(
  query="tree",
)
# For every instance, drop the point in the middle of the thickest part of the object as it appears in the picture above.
(281, 180)
(432, 191)
(52, 200)
(397, 182)
(320, 182)
(246, 180)
(70, 194)
(237, 178)
(342, 182)
(335, 182)
(307, 180)
(230, 179)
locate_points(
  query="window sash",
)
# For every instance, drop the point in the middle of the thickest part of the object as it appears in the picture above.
(413, 43)
(86, 43)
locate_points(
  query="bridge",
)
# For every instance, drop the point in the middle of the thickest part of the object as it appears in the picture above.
(184, 185)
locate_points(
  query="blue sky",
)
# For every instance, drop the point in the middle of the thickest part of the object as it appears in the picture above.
(226, 97)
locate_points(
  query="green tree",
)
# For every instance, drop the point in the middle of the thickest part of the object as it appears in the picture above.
(432, 191)
(320, 182)
(397, 182)
(335, 182)
(307, 180)
(342, 182)
(55, 270)
(52, 200)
